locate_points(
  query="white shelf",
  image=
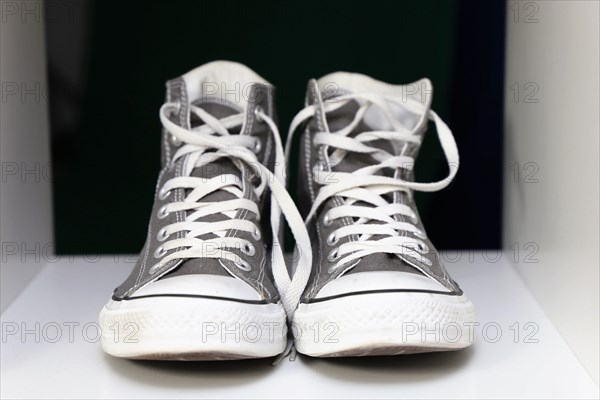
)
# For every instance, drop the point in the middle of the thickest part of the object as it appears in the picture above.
(73, 291)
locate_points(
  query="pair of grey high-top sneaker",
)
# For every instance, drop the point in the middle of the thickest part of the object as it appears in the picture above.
(211, 281)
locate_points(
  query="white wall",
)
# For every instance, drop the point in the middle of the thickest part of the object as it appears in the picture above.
(25, 201)
(553, 205)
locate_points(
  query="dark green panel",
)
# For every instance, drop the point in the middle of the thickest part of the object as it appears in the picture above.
(104, 184)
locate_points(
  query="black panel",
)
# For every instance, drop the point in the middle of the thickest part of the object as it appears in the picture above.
(109, 62)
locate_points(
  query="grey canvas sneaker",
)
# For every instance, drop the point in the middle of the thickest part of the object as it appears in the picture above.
(377, 285)
(210, 282)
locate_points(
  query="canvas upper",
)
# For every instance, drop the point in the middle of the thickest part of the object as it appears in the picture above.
(383, 270)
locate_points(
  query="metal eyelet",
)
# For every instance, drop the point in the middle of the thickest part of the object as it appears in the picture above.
(243, 265)
(257, 111)
(326, 220)
(162, 235)
(425, 260)
(256, 234)
(257, 146)
(175, 140)
(163, 194)
(423, 247)
(175, 113)
(162, 212)
(334, 255)
(159, 252)
(154, 269)
(332, 239)
(248, 249)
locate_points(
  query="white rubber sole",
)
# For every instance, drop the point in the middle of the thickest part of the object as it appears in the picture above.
(187, 328)
(384, 324)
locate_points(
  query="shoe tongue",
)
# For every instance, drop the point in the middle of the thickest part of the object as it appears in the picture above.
(220, 167)
(223, 166)
(374, 118)
(341, 118)
(217, 109)
(222, 89)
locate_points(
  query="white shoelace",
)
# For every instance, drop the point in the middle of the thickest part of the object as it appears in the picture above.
(206, 144)
(362, 185)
